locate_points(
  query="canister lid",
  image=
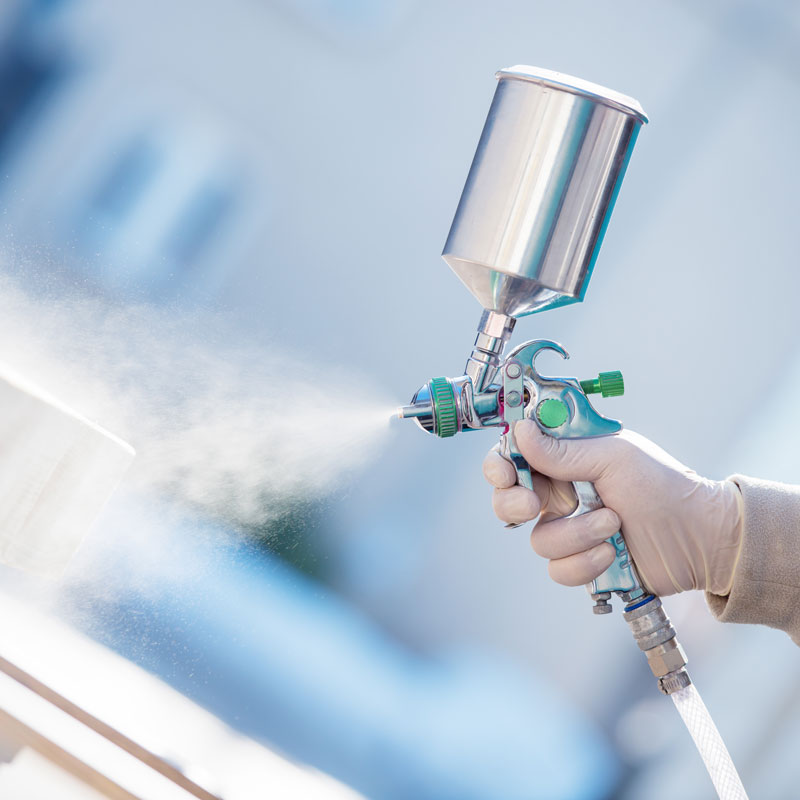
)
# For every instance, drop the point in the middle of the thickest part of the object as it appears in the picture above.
(568, 83)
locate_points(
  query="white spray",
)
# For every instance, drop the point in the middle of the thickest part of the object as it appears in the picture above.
(229, 429)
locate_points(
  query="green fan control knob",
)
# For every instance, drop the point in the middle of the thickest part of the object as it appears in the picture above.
(445, 416)
(552, 413)
(609, 384)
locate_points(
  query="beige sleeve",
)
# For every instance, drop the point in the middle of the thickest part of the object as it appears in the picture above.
(766, 583)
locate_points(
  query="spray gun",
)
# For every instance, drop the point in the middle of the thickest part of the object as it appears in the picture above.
(525, 239)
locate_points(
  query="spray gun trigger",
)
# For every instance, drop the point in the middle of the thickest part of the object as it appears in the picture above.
(515, 395)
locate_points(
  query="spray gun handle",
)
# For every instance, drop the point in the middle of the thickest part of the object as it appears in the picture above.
(560, 408)
(620, 577)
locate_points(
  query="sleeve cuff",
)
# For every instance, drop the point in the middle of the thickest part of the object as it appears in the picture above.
(766, 583)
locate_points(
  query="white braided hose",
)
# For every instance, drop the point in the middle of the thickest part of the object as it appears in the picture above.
(712, 749)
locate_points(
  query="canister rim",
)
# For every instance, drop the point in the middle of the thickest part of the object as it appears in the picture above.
(573, 85)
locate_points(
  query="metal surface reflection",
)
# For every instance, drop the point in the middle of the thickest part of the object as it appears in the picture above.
(541, 188)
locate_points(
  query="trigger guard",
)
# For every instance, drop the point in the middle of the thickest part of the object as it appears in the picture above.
(527, 352)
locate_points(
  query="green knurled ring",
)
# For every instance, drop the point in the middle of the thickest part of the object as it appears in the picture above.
(609, 384)
(444, 407)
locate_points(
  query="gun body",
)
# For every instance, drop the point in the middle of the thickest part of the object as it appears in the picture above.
(559, 406)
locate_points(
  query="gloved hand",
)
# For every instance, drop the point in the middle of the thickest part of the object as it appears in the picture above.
(683, 531)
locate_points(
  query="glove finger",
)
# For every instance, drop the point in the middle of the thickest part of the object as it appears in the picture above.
(581, 568)
(499, 471)
(567, 536)
(557, 497)
(515, 505)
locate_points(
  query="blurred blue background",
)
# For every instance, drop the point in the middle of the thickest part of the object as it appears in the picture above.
(294, 166)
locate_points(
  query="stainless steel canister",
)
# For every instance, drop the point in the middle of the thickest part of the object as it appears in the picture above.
(540, 191)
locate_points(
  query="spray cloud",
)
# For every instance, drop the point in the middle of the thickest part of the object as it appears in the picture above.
(233, 430)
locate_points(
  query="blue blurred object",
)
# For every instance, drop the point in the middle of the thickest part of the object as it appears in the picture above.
(141, 194)
(33, 63)
(285, 661)
(131, 247)
(125, 183)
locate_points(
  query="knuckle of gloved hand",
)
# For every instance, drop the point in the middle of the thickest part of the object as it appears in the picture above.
(605, 522)
(625, 446)
(516, 504)
(575, 570)
(588, 530)
(498, 471)
(531, 441)
(560, 538)
(542, 541)
(554, 457)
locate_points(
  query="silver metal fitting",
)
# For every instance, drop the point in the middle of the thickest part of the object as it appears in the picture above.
(656, 637)
(650, 624)
(674, 682)
(666, 658)
(601, 605)
(494, 330)
(498, 326)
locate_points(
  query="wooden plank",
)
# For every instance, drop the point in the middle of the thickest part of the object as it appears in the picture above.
(113, 735)
(31, 720)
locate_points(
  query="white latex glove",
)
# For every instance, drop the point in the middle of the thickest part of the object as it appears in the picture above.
(683, 531)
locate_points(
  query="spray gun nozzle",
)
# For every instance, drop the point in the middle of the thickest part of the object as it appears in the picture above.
(413, 411)
(434, 408)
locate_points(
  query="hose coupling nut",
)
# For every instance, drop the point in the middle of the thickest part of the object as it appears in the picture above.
(674, 682)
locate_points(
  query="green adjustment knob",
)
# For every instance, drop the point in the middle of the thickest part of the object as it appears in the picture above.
(552, 413)
(445, 415)
(609, 384)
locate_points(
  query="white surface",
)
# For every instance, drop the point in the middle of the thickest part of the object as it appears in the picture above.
(32, 777)
(57, 470)
(28, 718)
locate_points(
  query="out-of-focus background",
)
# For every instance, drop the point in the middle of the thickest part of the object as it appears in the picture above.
(292, 167)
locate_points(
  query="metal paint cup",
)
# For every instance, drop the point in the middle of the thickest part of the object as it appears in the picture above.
(541, 189)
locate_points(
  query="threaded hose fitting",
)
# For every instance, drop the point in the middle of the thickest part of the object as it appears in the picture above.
(655, 635)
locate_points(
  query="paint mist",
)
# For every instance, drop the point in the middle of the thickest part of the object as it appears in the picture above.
(234, 431)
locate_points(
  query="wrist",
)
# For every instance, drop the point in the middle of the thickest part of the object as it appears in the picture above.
(727, 538)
